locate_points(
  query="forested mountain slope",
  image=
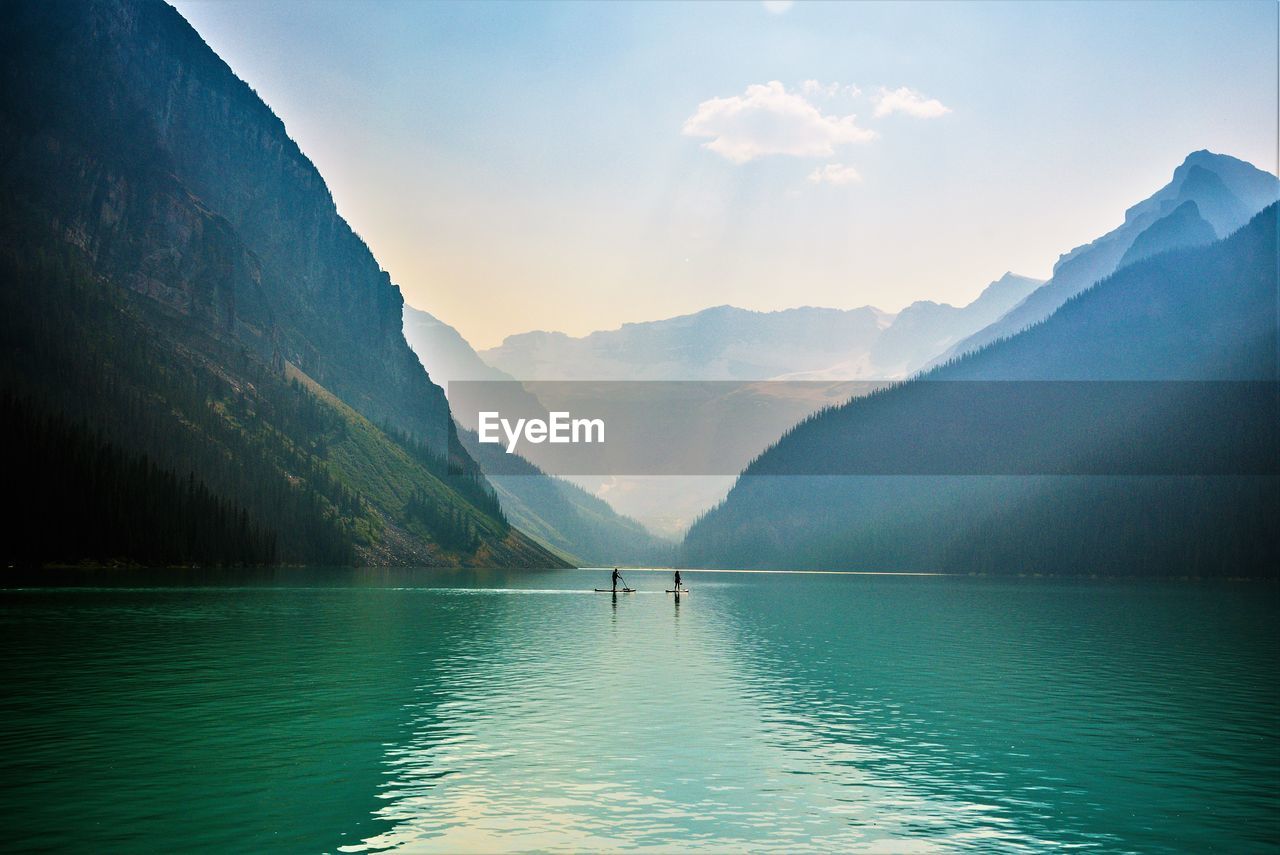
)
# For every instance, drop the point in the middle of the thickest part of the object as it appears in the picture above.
(179, 288)
(564, 517)
(1203, 314)
(555, 512)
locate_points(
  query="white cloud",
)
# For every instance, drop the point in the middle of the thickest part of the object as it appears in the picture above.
(835, 173)
(767, 120)
(909, 101)
(777, 7)
(814, 88)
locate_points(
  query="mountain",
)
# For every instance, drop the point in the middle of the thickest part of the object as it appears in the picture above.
(1226, 191)
(566, 518)
(182, 298)
(1196, 314)
(728, 343)
(1184, 227)
(925, 329)
(720, 343)
(446, 354)
(557, 513)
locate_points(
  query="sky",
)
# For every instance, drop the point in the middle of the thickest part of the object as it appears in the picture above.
(575, 166)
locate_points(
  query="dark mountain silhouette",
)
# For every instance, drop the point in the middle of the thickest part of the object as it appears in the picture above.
(1199, 314)
(178, 283)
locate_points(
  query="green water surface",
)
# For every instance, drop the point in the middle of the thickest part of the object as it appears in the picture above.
(297, 711)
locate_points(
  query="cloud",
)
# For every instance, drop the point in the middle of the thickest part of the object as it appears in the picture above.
(835, 173)
(777, 7)
(814, 88)
(767, 120)
(909, 101)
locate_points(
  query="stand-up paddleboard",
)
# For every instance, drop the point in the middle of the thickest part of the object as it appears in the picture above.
(619, 591)
(674, 591)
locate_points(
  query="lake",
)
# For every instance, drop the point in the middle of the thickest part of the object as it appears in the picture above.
(352, 711)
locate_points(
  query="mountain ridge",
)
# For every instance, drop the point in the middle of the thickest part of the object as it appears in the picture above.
(557, 513)
(1204, 313)
(1251, 189)
(731, 343)
(177, 273)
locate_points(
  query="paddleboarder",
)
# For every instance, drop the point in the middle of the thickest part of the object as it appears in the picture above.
(616, 577)
(677, 585)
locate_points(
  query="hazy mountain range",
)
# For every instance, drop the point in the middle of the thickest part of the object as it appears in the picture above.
(1207, 197)
(1225, 191)
(445, 353)
(720, 343)
(1198, 313)
(817, 344)
(1155, 299)
(728, 343)
(558, 513)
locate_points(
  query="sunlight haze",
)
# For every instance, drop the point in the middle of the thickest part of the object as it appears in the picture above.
(573, 167)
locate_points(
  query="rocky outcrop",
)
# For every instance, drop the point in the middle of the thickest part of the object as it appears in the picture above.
(168, 168)
(175, 275)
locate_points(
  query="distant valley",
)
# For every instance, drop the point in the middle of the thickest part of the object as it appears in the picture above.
(1207, 197)
(720, 343)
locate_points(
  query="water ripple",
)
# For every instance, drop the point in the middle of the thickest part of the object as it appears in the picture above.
(762, 712)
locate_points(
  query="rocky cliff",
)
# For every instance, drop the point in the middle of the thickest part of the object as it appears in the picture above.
(180, 294)
(167, 168)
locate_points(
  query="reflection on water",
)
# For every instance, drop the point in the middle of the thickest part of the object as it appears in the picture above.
(494, 711)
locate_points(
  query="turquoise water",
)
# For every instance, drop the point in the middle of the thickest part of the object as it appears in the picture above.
(445, 711)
